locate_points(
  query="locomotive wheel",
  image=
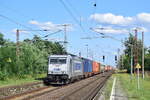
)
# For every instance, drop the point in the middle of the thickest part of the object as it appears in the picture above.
(67, 81)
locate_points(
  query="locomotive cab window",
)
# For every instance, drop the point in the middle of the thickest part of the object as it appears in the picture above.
(58, 61)
(53, 61)
(62, 61)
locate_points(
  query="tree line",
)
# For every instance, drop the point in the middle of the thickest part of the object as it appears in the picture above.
(32, 58)
(125, 59)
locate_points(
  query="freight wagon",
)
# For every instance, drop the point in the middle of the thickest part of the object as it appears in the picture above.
(102, 68)
(87, 67)
(96, 67)
(106, 68)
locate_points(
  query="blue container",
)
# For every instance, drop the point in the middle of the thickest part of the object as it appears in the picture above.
(87, 65)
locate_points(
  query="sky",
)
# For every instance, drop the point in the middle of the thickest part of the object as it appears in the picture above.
(113, 18)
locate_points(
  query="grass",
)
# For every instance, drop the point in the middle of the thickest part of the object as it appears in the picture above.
(130, 86)
(108, 88)
(17, 81)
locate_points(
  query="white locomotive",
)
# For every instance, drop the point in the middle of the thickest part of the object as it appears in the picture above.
(64, 69)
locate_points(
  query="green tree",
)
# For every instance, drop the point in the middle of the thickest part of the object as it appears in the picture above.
(32, 59)
(2, 41)
(136, 46)
(147, 59)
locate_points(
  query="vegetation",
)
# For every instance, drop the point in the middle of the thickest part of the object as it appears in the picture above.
(131, 43)
(32, 58)
(130, 87)
(20, 81)
(108, 88)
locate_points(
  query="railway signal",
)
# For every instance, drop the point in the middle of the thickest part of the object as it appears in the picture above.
(115, 57)
(103, 58)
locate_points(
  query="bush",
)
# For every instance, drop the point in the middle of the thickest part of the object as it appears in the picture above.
(32, 59)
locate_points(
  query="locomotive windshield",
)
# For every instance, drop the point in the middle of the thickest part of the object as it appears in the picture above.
(58, 61)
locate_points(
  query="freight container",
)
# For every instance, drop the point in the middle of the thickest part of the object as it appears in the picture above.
(102, 68)
(109, 68)
(96, 67)
(106, 68)
(77, 66)
(87, 67)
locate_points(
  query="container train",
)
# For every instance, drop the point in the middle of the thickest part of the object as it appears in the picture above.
(63, 69)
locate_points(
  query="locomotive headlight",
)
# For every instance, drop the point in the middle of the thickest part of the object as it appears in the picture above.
(63, 72)
(51, 72)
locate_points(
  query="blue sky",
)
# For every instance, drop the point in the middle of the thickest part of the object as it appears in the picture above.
(116, 16)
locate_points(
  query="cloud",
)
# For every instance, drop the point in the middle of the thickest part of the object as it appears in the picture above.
(140, 29)
(141, 20)
(110, 30)
(34, 22)
(110, 18)
(144, 17)
(15, 29)
(56, 39)
(44, 25)
(50, 26)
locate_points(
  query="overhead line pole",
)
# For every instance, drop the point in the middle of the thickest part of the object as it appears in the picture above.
(17, 43)
(136, 50)
(143, 55)
(65, 35)
(17, 39)
(118, 65)
(136, 60)
(87, 49)
(131, 61)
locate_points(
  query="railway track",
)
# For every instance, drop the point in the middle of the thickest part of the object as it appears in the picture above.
(14, 91)
(82, 90)
(87, 92)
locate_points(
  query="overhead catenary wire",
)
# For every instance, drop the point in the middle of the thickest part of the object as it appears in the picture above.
(51, 33)
(94, 6)
(72, 15)
(75, 10)
(15, 22)
(20, 14)
(15, 11)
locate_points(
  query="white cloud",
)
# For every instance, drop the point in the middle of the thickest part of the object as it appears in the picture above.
(139, 20)
(111, 30)
(140, 29)
(34, 22)
(49, 25)
(44, 25)
(15, 30)
(110, 18)
(56, 39)
(144, 17)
